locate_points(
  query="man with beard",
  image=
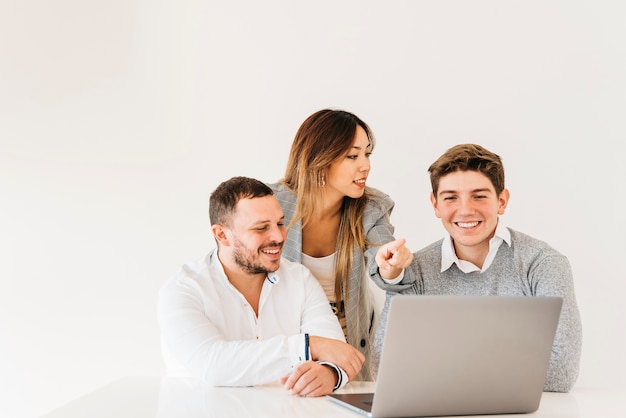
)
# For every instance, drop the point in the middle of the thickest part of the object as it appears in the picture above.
(242, 316)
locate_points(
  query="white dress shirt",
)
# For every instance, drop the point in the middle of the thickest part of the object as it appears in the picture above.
(448, 255)
(209, 330)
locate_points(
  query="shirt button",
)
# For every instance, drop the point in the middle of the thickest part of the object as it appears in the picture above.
(363, 342)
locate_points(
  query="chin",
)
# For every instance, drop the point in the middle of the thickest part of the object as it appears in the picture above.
(273, 267)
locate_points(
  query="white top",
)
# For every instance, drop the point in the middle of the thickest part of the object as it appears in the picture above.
(208, 330)
(323, 268)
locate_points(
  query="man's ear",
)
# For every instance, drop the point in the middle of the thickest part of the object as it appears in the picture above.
(433, 201)
(503, 200)
(220, 234)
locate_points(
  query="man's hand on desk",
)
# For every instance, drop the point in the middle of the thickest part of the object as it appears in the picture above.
(337, 352)
(311, 379)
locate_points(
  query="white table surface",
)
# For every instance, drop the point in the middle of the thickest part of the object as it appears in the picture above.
(156, 397)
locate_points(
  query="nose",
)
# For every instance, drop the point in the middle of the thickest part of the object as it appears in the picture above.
(278, 233)
(365, 165)
(465, 206)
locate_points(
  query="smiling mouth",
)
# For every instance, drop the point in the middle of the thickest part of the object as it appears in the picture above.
(359, 182)
(467, 225)
(271, 252)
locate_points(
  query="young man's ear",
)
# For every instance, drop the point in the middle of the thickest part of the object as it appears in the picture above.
(503, 200)
(219, 232)
(433, 201)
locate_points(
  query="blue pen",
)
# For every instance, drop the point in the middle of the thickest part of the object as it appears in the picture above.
(306, 346)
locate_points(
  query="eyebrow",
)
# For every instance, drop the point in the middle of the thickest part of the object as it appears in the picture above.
(369, 145)
(258, 223)
(265, 222)
(483, 190)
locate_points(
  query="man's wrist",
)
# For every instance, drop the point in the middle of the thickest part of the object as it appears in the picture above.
(342, 376)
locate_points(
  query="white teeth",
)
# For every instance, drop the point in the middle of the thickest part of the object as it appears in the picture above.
(271, 251)
(467, 224)
(359, 181)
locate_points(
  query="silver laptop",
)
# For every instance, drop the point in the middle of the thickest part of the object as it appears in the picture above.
(461, 355)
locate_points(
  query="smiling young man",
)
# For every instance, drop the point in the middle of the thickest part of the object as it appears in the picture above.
(481, 256)
(242, 316)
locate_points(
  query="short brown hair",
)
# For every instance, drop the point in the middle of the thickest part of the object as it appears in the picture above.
(225, 197)
(468, 157)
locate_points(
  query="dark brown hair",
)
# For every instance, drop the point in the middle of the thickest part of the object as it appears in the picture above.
(468, 157)
(224, 199)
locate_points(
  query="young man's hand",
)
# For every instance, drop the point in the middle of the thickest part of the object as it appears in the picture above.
(392, 258)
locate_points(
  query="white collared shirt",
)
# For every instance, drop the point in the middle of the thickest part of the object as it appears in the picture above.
(209, 330)
(448, 255)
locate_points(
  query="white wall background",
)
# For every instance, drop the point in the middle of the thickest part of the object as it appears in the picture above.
(119, 117)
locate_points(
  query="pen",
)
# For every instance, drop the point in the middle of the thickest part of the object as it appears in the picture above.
(306, 346)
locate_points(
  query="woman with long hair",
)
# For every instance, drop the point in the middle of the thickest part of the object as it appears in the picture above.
(337, 225)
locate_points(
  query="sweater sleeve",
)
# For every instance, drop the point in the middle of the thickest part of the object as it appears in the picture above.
(552, 276)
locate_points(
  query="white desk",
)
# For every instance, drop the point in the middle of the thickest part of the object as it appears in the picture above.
(155, 397)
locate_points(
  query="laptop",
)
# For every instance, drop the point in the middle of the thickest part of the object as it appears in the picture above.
(461, 355)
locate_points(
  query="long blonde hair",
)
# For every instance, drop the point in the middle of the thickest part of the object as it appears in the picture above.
(322, 139)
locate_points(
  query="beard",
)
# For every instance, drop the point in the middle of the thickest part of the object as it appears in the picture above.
(248, 260)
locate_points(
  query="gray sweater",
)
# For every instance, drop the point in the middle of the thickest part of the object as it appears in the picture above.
(529, 267)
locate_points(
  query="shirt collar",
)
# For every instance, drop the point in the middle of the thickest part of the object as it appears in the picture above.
(448, 255)
(503, 232)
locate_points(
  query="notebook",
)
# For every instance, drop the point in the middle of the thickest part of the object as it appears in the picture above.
(461, 355)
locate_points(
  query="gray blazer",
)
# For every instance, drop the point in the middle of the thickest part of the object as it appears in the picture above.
(361, 317)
